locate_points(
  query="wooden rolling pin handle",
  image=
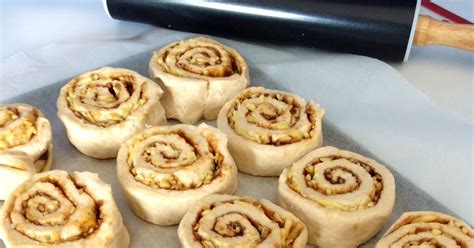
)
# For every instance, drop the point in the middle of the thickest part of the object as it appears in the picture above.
(433, 32)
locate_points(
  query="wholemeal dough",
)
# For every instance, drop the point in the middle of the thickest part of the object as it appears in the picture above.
(198, 76)
(343, 198)
(234, 221)
(268, 130)
(102, 109)
(25, 145)
(428, 229)
(58, 209)
(164, 170)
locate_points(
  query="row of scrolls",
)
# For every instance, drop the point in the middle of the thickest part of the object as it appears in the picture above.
(165, 170)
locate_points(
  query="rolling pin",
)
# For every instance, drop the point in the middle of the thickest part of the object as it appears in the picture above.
(384, 29)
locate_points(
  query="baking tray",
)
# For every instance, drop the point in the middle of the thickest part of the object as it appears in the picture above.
(143, 234)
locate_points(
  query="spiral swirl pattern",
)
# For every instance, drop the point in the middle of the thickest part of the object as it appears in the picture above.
(60, 208)
(232, 221)
(177, 160)
(198, 76)
(329, 180)
(281, 126)
(428, 229)
(105, 99)
(346, 184)
(272, 117)
(200, 57)
(25, 145)
(17, 126)
(113, 99)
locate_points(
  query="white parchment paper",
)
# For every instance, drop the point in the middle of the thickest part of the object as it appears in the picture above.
(364, 98)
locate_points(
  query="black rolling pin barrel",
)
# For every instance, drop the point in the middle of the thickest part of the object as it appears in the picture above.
(376, 28)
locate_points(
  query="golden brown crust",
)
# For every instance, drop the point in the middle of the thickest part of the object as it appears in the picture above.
(344, 198)
(233, 221)
(198, 76)
(25, 145)
(268, 130)
(57, 209)
(101, 109)
(164, 170)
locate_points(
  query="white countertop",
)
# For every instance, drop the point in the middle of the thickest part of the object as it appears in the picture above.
(446, 75)
(32, 30)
